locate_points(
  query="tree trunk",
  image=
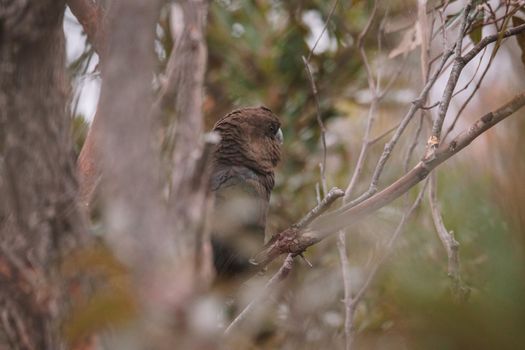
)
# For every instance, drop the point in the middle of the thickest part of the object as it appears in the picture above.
(39, 218)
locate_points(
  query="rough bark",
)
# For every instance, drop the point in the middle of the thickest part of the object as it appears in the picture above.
(40, 221)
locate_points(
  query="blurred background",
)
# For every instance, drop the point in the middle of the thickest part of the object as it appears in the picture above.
(254, 58)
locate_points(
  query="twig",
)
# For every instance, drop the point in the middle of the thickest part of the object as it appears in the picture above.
(371, 111)
(476, 88)
(319, 119)
(389, 245)
(320, 208)
(341, 243)
(393, 79)
(364, 150)
(389, 146)
(296, 241)
(434, 105)
(262, 259)
(360, 45)
(459, 290)
(380, 136)
(332, 10)
(467, 84)
(422, 21)
(413, 145)
(279, 276)
(459, 63)
(452, 81)
(347, 287)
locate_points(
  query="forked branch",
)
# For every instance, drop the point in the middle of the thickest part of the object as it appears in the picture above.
(296, 241)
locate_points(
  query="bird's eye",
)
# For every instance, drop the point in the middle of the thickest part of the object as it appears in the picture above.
(278, 134)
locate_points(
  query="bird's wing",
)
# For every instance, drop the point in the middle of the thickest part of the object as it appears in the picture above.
(239, 220)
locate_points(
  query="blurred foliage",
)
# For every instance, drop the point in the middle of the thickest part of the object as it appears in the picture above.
(111, 302)
(255, 49)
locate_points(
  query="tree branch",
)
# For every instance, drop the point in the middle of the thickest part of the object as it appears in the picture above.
(293, 230)
(268, 287)
(458, 66)
(459, 290)
(459, 63)
(388, 248)
(92, 17)
(319, 121)
(296, 241)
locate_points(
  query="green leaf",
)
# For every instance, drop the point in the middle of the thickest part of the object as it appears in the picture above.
(517, 21)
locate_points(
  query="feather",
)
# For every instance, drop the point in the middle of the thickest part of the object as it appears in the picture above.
(242, 180)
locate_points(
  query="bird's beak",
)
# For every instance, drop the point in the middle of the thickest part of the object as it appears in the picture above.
(279, 136)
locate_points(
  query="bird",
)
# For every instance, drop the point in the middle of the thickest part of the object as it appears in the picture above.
(242, 179)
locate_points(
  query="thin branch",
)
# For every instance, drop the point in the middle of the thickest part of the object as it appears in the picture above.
(332, 10)
(364, 149)
(459, 63)
(268, 288)
(389, 246)
(296, 241)
(467, 84)
(422, 23)
(432, 106)
(293, 230)
(316, 96)
(360, 45)
(389, 146)
(472, 94)
(373, 106)
(319, 120)
(393, 79)
(341, 243)
(453, 79)
(380, 136)
(347, 287)
(320, 208)
(459, 290)
(413, 145)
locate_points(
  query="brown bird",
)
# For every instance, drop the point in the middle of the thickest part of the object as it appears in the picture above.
(242, 180)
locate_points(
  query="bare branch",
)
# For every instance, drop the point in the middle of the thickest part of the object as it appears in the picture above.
(459, 290)
(459, 63)
(332, 10)
(319, 121)
(469, 98)
(423, 27)
(453, 78)
(296, 241)
(323, 205)
(265, 257)
(360, 45)
(389, 146)
(372, 109)
(413, 145)
(389, 246)
(364, 149)
(347, 287)
(268, 288)
(384, 134)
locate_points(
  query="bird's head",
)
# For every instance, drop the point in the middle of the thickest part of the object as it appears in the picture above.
(250, 137)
